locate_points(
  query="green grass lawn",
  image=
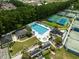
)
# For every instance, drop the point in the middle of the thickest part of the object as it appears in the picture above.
(63, 54)
(17, 46)
(46, 54)
(53, 24)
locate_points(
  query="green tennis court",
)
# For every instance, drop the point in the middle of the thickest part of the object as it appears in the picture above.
(59, 20)
(54, 18)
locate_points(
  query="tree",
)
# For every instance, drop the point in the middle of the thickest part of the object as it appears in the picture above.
(25, 55)
(52, 48)
(58, 40)
(1, 28)
(24, 14)
(17, 3)
(29, 31)
(28, 28)
(0, 42)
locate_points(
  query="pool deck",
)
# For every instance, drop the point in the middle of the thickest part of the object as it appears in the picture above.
(40, 28)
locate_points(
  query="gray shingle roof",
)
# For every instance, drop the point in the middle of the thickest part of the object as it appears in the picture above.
(21, 32)
(6, 38)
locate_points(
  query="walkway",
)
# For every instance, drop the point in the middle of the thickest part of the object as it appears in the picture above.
(64, 41)
(25, 39)
(18, 57)
(52, 44)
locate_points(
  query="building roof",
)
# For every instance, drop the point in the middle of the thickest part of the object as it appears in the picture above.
(6, 38)
(35, 51)
(56, 31)
(7, 6)
(20, 32)
(38, 50)
(46, 45)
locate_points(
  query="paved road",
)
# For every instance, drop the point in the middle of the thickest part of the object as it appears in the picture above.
(4, 53)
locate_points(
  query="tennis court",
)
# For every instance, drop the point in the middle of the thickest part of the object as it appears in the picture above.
(63, 21)
(54, 18)
(73, 40)
(76, 29)
(59, 20)
(76, 24)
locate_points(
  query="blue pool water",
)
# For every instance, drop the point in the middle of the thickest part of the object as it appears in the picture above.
(40, 29)
(63, 21)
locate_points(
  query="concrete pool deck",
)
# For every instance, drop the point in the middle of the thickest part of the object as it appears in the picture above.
(41, 31)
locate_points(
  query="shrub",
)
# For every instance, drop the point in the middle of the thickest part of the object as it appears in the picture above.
(58, 40)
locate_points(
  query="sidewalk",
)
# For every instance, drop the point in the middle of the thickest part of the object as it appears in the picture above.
(25, 39)
(64, 41)
(18, 57)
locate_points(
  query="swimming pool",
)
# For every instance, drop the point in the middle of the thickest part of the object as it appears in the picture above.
(63, 21)
(38, 28)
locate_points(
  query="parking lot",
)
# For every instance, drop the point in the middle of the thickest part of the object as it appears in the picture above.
(4, 53)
